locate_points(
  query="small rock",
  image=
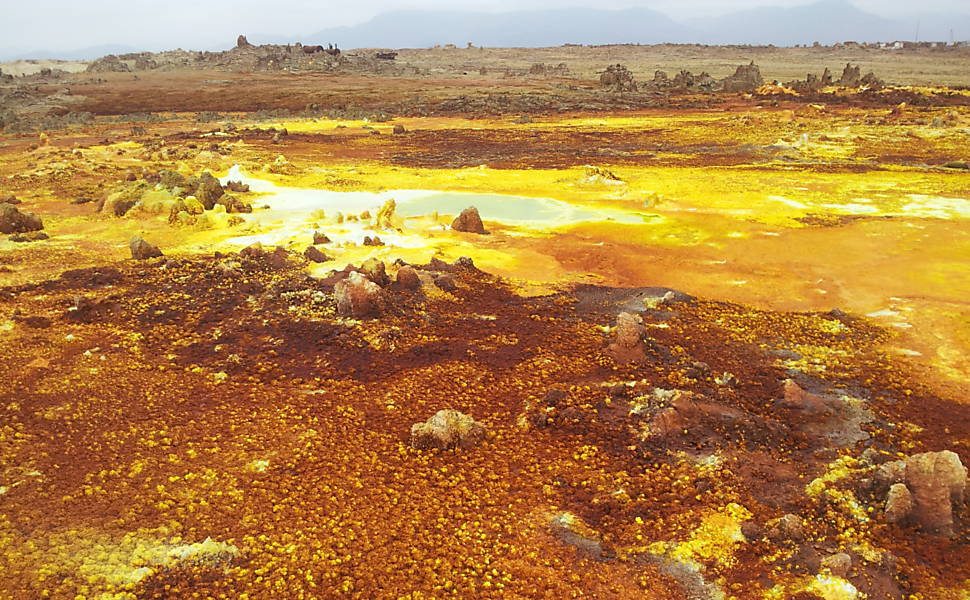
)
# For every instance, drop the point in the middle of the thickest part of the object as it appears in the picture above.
(33, 236)
(399, 129)
(9, 199)
(234, 204)
(445, 282)
(376, 271)
(407, 278)
(469, 221)
(447, 429)
(358, 296)
(314, 255)
(320, 238)
(142, 250)
(752, 531)
(237, 187)
(899, 503)
(837, 564)
(254, 250)
(787, 528)
(798, 399)
(373, 241)
(465, 262)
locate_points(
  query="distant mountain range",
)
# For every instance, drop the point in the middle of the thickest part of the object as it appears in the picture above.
(825, 21)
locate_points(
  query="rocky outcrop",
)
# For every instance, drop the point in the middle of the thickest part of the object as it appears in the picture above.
(469, 221)
(14, 221)
(9, 199)
(242, 42)
(386, 217)
(358, 297)
(142, 250)
(618, 78)
(445, 430)
(376, 271)
(688, 82)
(209, 190)
(629, 338)
(926, 489)
(109, 64)
(320, 238)
(234, 204)
(747, 78)
(314, 255)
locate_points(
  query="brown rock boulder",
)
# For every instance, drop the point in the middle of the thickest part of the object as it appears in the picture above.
(925, 488)
(447, 429)
(358, 297)
(899, 503)
(314, 255)
(798, 399)
(376, 271)
(629, 338)
(142, 250)
(937, 481)
(407, 278)
(14, 221)
(469, 221)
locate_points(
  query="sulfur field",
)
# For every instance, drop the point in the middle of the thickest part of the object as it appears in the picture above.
(456, 330)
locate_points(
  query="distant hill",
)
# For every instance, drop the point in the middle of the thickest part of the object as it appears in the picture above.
(826, 22)
(535, 28)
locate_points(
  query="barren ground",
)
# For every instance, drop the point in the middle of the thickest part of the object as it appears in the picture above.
(148, 406)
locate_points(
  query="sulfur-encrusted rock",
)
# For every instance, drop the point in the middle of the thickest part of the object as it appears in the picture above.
(447, 429)
(320, 238)
(357, 296)
(469, 221)
(142, 250)
(376, 271)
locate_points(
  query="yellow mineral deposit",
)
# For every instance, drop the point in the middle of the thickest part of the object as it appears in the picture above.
(231, 419)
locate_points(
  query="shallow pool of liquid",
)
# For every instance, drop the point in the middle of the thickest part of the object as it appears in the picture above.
(512, 210)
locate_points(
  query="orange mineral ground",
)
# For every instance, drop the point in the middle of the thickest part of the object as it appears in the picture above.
(716, 347)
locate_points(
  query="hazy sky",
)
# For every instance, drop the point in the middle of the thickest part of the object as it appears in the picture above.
(204, 24)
